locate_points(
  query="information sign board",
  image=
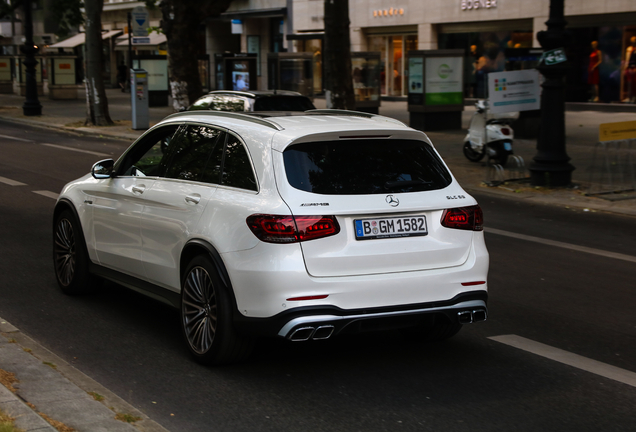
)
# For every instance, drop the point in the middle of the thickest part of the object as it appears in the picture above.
(140, 21)
(514, 91)
(617, 131)
(444, 80)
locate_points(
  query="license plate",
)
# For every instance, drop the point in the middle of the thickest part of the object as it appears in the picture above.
(367, 229)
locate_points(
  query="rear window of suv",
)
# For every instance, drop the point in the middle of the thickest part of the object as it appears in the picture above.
(373, 166)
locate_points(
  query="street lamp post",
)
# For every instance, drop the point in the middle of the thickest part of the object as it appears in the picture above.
(551, 167)
(31, 105)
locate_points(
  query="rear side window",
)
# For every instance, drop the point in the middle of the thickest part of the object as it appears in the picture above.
(237, 168)
(364, 167)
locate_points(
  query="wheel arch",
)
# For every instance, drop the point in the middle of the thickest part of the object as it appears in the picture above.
(197, 247)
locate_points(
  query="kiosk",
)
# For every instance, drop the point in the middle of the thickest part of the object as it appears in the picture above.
(139, 98)
(236, 71)
(158, 85)
(62, 77)
(291, 71)
(366, 72)
(435, 89)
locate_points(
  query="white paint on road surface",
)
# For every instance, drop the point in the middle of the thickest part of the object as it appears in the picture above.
(76, 150)
(16, 138)
(47, 194)
(11, 182)
(577, 248)
(568, 358)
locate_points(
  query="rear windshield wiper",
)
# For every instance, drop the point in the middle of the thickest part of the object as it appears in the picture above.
(405, 183)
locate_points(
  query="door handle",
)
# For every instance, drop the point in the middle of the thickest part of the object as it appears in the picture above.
(193, 199)
(139, 189)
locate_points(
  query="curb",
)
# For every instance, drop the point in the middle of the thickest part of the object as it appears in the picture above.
(49, 385)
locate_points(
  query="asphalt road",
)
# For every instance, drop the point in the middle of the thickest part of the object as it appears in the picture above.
(579, 301)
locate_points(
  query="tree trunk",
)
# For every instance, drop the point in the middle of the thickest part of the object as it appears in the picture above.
(337, 56)
(180, 24)
(97, 104)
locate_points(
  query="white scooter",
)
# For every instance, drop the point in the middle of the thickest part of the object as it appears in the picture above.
(498, 133)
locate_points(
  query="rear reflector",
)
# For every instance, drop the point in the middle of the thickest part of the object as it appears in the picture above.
(465, 218)
(473, 283)
(315, 297)
(292, 229)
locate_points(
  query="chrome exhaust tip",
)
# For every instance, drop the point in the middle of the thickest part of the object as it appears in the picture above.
(301, 334)
(479, 315)
(323, 332)
(465, 317)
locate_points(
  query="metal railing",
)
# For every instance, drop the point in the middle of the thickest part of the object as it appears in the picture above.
(613, 168)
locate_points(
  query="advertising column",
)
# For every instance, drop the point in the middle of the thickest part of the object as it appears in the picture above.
(435, 84)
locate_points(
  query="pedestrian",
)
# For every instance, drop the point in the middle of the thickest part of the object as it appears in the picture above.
(122, 76)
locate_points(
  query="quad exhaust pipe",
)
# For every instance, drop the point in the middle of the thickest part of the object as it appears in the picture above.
(467, 317)
(314, 333)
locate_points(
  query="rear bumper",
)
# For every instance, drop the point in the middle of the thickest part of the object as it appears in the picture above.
(316, 323)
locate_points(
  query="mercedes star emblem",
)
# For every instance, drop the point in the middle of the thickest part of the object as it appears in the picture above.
(392, 201)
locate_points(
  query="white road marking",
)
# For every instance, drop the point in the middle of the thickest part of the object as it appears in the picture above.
(11, 182)
(47, 194)
(548, 242)
(568, 358)
(75, 150)
(16, 138)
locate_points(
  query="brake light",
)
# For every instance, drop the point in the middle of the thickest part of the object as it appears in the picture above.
(292, 229)
(505, 131)
(466, 218)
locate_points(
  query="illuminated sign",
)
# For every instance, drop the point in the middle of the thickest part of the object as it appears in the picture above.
(388, 12)
(478, 4)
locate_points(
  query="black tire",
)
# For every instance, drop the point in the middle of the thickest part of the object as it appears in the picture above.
(433, 328)
(471, 154)
(70, 257)
(206, 316)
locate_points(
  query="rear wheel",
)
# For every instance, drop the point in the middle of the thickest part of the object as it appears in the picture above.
(433, 328)
(206, 316)
(70, 256)
(471, 154)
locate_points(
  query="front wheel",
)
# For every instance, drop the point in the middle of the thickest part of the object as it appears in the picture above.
(471, 154)
(70, 256)
(206, 316)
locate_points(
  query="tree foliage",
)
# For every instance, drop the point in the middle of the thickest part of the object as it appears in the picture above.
(68, 15)
(7, 7)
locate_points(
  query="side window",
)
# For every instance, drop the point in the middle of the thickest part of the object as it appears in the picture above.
(237, 169)
(148, 158)
(190, 152)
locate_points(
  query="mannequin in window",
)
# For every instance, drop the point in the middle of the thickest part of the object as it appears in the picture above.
(596, 57)
(629, 71)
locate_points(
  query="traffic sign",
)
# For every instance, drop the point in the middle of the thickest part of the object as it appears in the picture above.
(554, 56)
(140, 21)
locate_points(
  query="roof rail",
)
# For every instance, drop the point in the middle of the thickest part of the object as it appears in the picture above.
(352, 114)
(230, 114)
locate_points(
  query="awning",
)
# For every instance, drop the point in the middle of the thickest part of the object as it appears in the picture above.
(254, 13)
(80, 39)
(156, 39)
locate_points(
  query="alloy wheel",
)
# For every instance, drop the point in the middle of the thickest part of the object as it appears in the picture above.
(65, 252)
(199, 310)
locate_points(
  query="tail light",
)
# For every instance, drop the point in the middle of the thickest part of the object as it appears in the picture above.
(466, 218)
(292, 229)
(505, 131)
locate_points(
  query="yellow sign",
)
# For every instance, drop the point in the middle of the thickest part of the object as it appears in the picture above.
(617, 131)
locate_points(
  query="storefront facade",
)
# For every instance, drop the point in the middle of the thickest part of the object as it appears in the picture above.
(499, 35)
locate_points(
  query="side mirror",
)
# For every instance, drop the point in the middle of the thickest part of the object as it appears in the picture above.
(103, 169)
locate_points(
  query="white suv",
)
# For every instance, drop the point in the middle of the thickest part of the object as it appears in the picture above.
(301, 227)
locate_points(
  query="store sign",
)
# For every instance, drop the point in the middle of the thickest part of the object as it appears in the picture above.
(478, 4)
(514, 91)
(388, 12)
(444, 80)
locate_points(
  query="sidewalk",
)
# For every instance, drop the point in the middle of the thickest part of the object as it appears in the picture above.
(50, 388)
